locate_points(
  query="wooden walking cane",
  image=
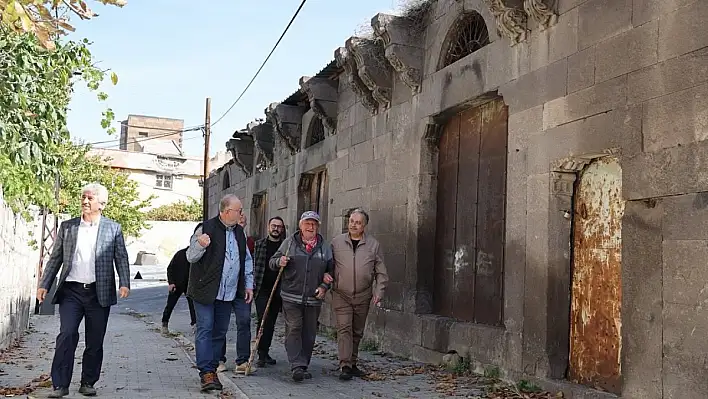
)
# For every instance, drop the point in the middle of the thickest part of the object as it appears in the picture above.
(265, 314)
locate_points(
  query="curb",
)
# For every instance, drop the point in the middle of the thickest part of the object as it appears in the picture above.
(184, 343)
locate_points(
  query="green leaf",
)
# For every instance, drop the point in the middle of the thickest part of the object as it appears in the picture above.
(114, 78)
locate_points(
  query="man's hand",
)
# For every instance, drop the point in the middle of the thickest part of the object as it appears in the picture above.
(172, 287)
(320, 293)
(249, 295)
(283, 261)
(204, 240)
(376, 301)
(124, 292)
(328, 278)
(41, 294)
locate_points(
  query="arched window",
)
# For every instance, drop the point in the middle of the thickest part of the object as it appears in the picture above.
(226, 183)
(466, 36)
(317, 131)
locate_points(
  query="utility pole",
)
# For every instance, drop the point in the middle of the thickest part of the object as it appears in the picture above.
(207, 136)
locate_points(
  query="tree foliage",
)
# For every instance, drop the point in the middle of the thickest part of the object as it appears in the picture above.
(43, 18)
(190, 211)
(36, 83)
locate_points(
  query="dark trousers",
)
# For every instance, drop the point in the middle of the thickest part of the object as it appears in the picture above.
(212, 324)
(242, 311)
(77, 302)
(300, 332)
(269, 327)
(172, 299)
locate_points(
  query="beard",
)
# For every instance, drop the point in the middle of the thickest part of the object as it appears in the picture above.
(274, 235)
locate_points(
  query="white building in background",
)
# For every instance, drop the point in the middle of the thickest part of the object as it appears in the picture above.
(168, 177)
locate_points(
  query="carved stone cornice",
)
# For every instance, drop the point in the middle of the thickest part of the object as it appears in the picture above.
(510, 20)
(344, 60)
(287, 121)
(402, 47)
(322, 94)
(541, 13)
(373, 68)
(241, 147)
(264, 142)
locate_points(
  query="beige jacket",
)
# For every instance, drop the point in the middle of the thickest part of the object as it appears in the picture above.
(361, 273)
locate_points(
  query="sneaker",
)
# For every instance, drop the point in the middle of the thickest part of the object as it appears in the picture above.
(221, 368)
(87, 390)
(241, 368)
(210, 382)
(298, 374)
(58, 392)
(307, 375)
(346, 373)
(356, 372)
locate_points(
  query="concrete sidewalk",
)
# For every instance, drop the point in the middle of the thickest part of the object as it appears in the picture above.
(138, 363)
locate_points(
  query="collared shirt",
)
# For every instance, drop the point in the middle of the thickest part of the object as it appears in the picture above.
(83, 269)
(232, 267)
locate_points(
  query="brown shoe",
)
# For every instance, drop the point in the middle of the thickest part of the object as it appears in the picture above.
(210, 382)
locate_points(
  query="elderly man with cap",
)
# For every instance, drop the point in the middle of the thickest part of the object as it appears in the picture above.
(307, 261)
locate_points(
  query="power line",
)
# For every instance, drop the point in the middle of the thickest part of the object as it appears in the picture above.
(148, 138)
(171, 133)
(262, 65)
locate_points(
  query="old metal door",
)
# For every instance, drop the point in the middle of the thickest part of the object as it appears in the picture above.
(471, 215)
(595, 330)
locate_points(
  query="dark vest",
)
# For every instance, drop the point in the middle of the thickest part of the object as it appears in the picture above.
(205, 274)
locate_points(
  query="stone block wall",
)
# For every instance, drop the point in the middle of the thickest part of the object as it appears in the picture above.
(626, 78)
(18, 274)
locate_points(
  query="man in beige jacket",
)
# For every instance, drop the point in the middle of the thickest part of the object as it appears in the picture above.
(359, 281)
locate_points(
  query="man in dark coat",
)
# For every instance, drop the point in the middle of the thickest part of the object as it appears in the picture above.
(86, 249)
(178, 279)
(220, 281)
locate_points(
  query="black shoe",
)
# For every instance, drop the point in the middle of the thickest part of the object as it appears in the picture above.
(356, 372)
(307, 375)
(346, 373)
(58, 392)
(264, 358)
(210, 382)
(87, 390)
(298, 374)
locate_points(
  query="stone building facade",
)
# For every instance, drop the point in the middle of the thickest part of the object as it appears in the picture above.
(535, 173)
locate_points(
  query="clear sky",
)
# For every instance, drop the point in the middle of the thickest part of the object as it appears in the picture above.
(171, 54)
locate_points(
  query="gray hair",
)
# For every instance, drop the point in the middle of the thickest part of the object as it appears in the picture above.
(226, 201)
(362, 213)
(99, 191)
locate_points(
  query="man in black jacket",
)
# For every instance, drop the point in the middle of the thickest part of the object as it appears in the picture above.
(178, 279)
(220, 279)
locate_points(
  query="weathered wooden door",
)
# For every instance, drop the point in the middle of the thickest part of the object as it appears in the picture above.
(471, 204)
(314, 196)
(258, 224)
(596, 298)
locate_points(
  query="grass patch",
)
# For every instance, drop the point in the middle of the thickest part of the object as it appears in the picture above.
(492, 372)
(368, 345)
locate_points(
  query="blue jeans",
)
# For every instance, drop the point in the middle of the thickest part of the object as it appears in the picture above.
(242, 311)
(212, 324)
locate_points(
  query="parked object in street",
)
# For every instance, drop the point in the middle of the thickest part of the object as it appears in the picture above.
(86, 249)
(220, 279)
(302, 289)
